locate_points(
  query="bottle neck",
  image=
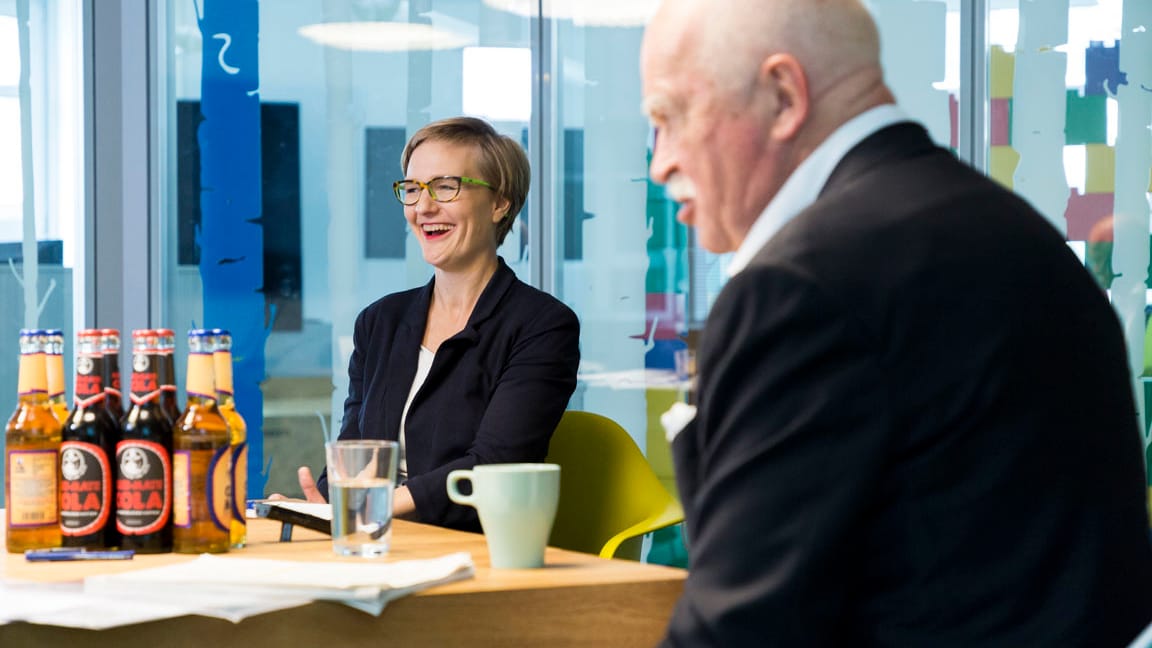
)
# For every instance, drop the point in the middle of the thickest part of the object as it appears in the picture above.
(145, 378)
(200, 384)
(55, 372)
(222, 364)
(166, 368)
(32, 384)
(90, 381)
(112, 371)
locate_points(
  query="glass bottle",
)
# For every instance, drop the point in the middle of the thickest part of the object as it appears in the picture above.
(144, 455)
(32, 455)
(166, 340)
(222, 363)
(55, 368)
(201, 459)
(110, 349)
(87, 501)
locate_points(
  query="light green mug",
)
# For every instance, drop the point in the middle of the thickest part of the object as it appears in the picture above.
(516, 504)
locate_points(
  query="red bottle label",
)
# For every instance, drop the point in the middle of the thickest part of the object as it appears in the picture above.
(143, 487)
(85, 488)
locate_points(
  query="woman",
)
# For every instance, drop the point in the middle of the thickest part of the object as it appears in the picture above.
(475, 366)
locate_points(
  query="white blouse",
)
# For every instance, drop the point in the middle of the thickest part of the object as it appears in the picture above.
(423, 365)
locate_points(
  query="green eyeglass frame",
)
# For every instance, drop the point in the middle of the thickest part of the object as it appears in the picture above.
(441, 189)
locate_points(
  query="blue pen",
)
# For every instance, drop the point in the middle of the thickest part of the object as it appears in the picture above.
(56, 554)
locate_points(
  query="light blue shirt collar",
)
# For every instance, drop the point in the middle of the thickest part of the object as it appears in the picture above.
(803, 187)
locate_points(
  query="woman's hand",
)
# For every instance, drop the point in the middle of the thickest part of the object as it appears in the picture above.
(403, 506)
(307, 484)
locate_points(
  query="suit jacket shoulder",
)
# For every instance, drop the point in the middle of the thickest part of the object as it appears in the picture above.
(886, 394)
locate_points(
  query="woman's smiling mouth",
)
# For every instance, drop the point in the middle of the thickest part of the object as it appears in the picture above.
(434, 231)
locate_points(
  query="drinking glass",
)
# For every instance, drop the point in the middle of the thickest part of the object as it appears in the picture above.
(361, 479)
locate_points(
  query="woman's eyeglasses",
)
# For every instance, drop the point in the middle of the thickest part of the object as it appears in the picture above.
(442, 189)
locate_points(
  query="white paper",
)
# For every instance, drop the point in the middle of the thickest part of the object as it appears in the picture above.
(68, 605)
(369, 586)
(223, 587)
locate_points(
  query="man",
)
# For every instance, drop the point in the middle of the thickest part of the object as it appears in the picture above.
(915, 422)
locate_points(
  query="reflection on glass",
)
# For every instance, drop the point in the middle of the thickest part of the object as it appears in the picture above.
(337, 101)
(41, 174)
(1070, 116)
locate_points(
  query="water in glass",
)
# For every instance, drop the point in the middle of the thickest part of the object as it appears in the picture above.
(361, 516)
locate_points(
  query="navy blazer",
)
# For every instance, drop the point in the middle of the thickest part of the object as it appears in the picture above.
(494, 394)
(915, 428)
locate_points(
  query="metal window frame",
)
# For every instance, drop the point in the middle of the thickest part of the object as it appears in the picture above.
(972, 109)
(121, 252)
(126, 168)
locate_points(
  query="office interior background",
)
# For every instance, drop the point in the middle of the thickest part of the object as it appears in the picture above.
(228, 163)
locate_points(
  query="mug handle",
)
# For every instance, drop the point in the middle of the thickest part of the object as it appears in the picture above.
(454, 493)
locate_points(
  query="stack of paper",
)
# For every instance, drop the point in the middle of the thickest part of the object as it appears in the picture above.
(224, 587)
(362, 585)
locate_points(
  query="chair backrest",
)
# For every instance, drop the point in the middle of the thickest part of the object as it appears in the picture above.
(608, 491)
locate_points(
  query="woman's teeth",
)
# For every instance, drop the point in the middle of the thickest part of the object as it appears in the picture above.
(436, 229)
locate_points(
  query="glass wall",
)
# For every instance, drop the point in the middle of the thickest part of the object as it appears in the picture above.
(1070, 117)
(629, 269)
(284, 123)
(41, 177)
(279, 127)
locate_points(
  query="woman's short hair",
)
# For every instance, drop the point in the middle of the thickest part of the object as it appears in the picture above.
(503, 162)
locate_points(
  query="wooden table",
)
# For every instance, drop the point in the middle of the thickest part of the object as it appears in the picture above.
(575, 600)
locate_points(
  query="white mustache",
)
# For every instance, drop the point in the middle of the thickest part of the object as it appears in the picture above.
(680, 188)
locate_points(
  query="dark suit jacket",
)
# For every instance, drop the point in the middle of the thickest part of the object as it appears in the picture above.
(494, 394)
(915, 428)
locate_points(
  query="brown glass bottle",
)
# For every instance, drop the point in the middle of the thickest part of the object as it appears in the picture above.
(167, 369)
(144, 456)
(201, 459)
(222, 357)
(110, 348)
(31, 455)
(55, 368)
(87, 499)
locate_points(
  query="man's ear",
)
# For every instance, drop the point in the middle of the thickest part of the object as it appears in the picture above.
(783, 77)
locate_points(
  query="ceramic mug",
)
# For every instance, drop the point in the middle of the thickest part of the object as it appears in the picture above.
(516, 504)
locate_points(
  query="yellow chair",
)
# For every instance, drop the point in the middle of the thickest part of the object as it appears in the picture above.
(609, 495)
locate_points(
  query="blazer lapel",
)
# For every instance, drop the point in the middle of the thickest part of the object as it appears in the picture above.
(493, 294)
(403, 358)
(469, 336)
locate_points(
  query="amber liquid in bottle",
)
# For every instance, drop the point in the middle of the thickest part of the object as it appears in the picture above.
(222, 363)
(87, 499)
(56, 398)
(31, 455)
(201, 460)
(144, 456)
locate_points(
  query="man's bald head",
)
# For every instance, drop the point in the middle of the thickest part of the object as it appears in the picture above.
(727, 40)
(742, 91)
